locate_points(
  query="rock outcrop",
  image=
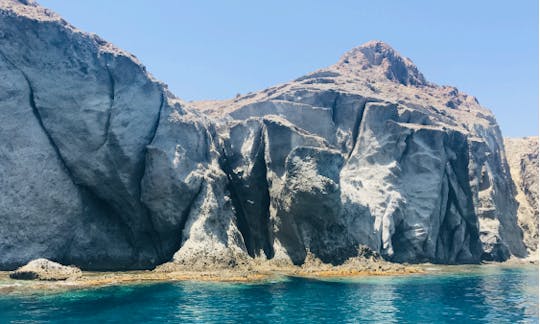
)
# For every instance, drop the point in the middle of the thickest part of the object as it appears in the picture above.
(522, 154)
(102, 167)
(417, 172)
(43, 269)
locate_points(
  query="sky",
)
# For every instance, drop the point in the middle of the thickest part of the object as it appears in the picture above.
(216, 49)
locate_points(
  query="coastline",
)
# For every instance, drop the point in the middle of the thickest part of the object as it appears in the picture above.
(252, 274)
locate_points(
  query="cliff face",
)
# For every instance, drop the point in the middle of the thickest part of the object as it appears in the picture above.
(368, 152)
(522, 156)
(102, 167)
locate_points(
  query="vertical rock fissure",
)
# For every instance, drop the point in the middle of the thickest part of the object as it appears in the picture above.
(111, 104)
(155, 127)
(408, 139)
(111, 84)
(242, 224)
(260, 162)
(334, 108)
(155, 237)
(443, 210)
(450, 231)
(357, 125)
(447, 233)
(255, 230)
(184, 219)
(467, 213)
(37, 115)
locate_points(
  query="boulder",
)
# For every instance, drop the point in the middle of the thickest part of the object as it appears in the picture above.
(43, 269)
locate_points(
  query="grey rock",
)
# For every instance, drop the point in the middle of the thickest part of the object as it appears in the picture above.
(185, 190)
(104, 168)
(422, 177)
(86, 111)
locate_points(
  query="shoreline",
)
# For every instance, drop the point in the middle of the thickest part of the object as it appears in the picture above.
(259, 274)
(91, 279)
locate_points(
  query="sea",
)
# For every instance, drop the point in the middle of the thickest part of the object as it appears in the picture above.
(471, 294)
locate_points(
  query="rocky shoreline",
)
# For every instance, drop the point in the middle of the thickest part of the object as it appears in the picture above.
(245, 273)
(254, 273)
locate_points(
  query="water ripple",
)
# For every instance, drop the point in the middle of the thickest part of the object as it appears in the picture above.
(493, 295)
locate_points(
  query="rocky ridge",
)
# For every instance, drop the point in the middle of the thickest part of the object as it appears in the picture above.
(104, 168)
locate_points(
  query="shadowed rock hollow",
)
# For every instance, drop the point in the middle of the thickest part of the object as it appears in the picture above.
(102, 167)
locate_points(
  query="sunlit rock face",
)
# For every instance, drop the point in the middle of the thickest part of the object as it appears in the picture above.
(367, 152)
(102, 167)
(522, 154)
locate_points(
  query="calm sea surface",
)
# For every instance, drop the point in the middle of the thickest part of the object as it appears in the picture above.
(488, 294)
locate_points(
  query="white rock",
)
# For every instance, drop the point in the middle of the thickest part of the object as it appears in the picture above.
(43, 269)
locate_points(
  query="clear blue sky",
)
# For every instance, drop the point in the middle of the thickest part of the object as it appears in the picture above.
(215, 49)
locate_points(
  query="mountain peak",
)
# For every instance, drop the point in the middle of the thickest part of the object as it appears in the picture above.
(377, 55)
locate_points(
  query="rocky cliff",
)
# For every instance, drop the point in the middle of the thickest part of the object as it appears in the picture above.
(102, 167)
(522, 156)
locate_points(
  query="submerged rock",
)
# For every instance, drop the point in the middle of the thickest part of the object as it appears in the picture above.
(43, 269)
(104, 168)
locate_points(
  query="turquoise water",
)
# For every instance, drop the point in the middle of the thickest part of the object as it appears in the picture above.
(485, 294)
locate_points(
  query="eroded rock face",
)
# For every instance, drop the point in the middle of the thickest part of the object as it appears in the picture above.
(417, 173)
(88, 164)
(103, 168)
(522, 154)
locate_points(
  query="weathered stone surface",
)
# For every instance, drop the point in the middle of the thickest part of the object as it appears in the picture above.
(79, 114)
(422, 175)
(43, 269)
(522, 154)
(103, 168)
